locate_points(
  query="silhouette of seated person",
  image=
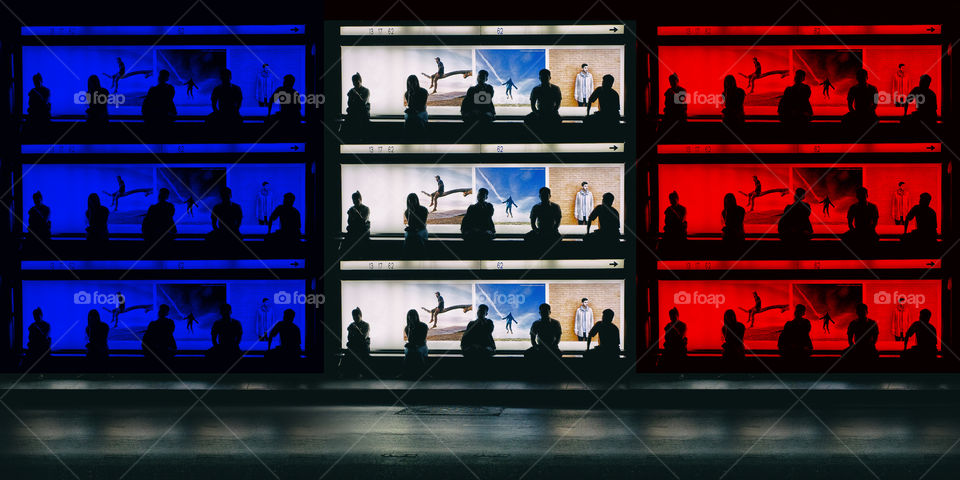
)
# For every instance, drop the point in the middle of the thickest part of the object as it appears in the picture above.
(732, 217)
(415, 116)
(415, 233)
(357, 119)
(477, 106)
(38, 102)
(608, 223)
(608, 338)
(415, 351)
(608, 105)
(225, 334)
(97, 216)
(477, 341)
(158, 342)
(732, 333)
(97, 99)
(289, 332)
(289, 216)
(158, 107)
(926, 220)
(794, 341)
(545, 220)
(545, 334)
(733, 98)
(97, 332)
(38, 339)
(358, 343)
(158, 226)
(794, 225)
(545, 104)
(794, 108)
(225, 219)
(288, 99)
(925, 349)
(862, 335)
(925, 100)
(38, 218)
(225, 100)
(861, 102)
(674, 102)
(477, 225)
(674, 339)
(862, 219)
(674, 220)
(358, 222)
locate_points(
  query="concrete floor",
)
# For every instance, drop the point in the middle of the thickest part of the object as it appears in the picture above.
(240, 442)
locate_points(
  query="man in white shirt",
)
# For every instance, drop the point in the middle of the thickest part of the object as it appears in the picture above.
(583, 87)
(583, 204)
(583, 321)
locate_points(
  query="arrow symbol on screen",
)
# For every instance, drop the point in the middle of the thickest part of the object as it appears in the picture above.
(613, 147)
(614, 29)
(932, 263)
(295, 264)
(931, 148)
(614, 263)
(295, 148)
(931, 29)
(295, 29)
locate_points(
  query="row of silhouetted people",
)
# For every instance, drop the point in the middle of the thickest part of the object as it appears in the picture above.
(159, 225)
(794, 342)
(794, 224)
(477, 226)
(158, 341)
(477, 342)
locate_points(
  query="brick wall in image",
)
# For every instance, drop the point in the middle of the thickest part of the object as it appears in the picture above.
(565, 65)
(564, 182)
(565, 299)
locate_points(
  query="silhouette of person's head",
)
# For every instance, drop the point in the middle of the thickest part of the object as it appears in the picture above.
(163, 311)
(545, 194)
(356, 79)
(225, 76)
(544, 76)
(544, 310)
(163, 195)
(729, 83)
(288, 315)
(925, 199)
(93, 201)
(729, 201)
(799, 76)
(37, 314)
(225, 195)
(226, 310)
(606, 316)
(799, 194)
(357, 314)
(289, 80)
(93, 317)
(799, 310)
(607, 199)
(482, 310)
(925, 81)
(861, 194)
(674, 198)
(674, 314)
(37, 198)
(288, 199)
(674, 80)
(37, 80)
(412, 317)
(413, 202)
(357, 198)
(607, 81)
(729, 317)
(482, 77)
(862, 310)
(93, 84)
(925, 315)
(862, 76)
(482, 195)
(163, 76)
(412, 83)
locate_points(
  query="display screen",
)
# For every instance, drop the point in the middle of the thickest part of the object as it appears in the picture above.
(128, 190)
(194, 306)
(893, 304)
(513, 307)
(514, 72)
(830, 72)
(128, 71)
(513, 191)
(830, 191)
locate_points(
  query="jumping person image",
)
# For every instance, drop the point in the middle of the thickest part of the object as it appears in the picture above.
(190, 203)
(826, 205)
(758, 308)
(190, 321)
(440, 308)
(510, 204)
(826, 87)
(510, 321)
(827, 321)
(758, 192)
(190, 87)
(510, 86)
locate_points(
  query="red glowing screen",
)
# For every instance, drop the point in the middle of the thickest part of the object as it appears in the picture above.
(894, 188)
(893, 304)
(893, 69)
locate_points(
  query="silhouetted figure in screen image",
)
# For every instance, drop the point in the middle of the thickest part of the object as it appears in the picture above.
(477, 106)
(862, 335)
(862, 219)
(925, 235)
(924, 350)
(38, 218)
(733, 98)
(225, 100)
(794, 109)
(225, 218)
(38, 103)
(38, 340)
(794, 226)
(358, 223)
(733, 332)
(415, 116)
(158, 107)
(225, 334)
(289, 217)
(415, 351)
(608, 224)
(358, 345)
(545, 218)
(158, 342)
(674, 103)
(477, 225)
(794, 342)
(545, 105)
(674, 220)
(97, 332)
(415, 233)
(97, 216)
(477, 342)
(732, 217)
(608, 103)
(674, 341)
(158, 225)
(862, 103)
(357, 120)
(289, 333)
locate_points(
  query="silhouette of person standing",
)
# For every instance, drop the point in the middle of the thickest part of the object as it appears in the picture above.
(38, 218)
(674, 338)
(477, 225)
(97, 216)
(158, 225)
(158, 106)
(97, 98)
